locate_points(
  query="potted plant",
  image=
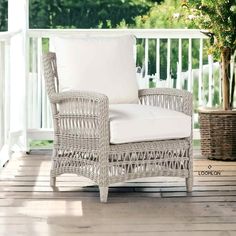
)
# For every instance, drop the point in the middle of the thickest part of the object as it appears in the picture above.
(218, 126)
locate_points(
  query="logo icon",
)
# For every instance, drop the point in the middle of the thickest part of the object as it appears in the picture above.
(209, 172)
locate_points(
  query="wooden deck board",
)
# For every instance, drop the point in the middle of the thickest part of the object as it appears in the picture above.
(147, 206)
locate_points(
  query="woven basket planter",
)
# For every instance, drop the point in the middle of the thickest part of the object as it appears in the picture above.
(218, 134)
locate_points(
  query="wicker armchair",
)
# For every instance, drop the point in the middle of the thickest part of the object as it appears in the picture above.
(81, 137)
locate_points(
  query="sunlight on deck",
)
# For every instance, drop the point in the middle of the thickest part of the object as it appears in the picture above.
(29, 206)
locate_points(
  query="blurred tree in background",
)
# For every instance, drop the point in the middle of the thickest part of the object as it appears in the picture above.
(85, 13)
(81, 13)
(166, 15)
(3, 15)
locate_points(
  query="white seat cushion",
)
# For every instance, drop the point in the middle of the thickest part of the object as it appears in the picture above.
(137, 123)
(100, 64)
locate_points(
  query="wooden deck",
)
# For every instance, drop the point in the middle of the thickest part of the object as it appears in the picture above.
(150, 207)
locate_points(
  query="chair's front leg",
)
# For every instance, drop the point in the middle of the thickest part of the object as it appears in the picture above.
(189, 180)
(189, 184)
(103, 194)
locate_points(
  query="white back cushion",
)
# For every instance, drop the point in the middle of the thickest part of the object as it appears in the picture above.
(99, 64)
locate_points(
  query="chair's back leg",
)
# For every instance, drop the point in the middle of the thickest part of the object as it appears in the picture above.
(52, 181)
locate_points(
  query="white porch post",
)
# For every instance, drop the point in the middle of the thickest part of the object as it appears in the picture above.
(4, 102)
(18, 17)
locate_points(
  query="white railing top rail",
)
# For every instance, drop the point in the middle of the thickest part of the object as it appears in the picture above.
(139, 33)
(6, 35)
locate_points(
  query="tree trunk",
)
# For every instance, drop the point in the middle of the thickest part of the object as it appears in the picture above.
(232, 90)
(225, 76)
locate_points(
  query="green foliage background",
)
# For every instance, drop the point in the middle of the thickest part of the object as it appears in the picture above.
(85, 13)
(3, 15)
(81, 13)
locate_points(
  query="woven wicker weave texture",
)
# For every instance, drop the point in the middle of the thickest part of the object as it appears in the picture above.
(218, 135)
(81, 137)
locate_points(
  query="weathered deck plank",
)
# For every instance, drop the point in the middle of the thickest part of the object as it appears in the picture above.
(147, 206)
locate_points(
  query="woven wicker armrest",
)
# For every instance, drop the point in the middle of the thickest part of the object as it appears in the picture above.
(81, 120)
(81, 105)
(80, 96)
(174, 99)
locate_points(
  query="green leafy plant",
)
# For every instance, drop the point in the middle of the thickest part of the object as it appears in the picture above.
(218, 18)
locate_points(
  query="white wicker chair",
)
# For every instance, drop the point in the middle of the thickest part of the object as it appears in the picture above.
(81, 137)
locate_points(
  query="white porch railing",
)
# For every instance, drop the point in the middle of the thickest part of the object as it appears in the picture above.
(5, 94)
(39, 118)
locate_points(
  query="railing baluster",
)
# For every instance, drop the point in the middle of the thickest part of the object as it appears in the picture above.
(200, 80)
(190, 77)
(179, 66)
(29, 89)
(2, 99)
(157, 60)
(30, 94)
(168, 69)
(7, 90)
(44, 106)
(39, 82)
(146, 63)
(34, 78)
